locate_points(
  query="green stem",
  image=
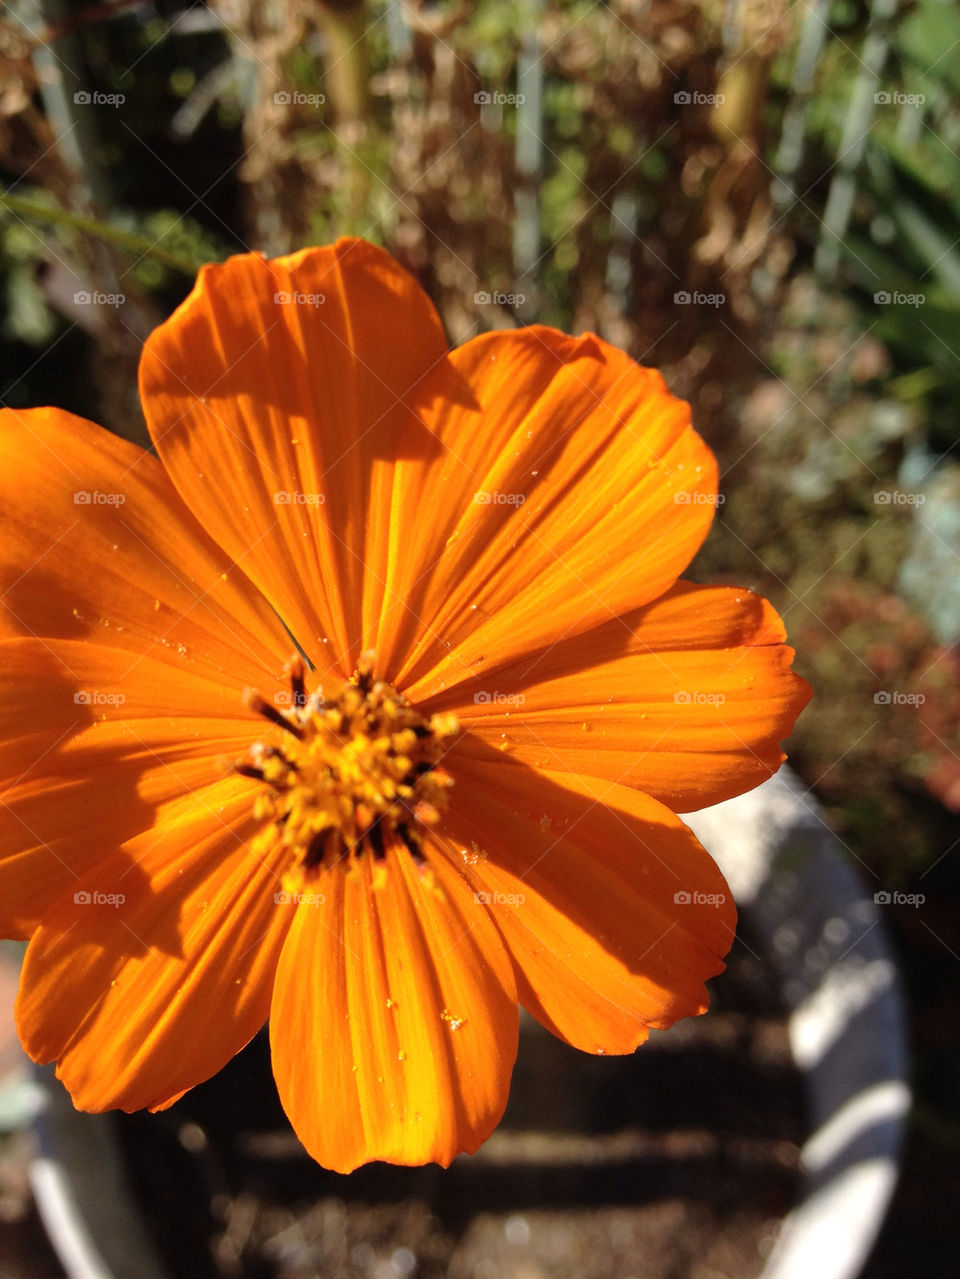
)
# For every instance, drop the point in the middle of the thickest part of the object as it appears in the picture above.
(347, 61)
(34, 210)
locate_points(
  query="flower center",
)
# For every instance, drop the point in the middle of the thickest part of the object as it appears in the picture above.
(350, 773)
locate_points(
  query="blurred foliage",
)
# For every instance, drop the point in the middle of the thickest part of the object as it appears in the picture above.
(819, 440)
(816, 397)
(904, 237)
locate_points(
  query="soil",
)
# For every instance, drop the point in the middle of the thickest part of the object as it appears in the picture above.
(676, 1163)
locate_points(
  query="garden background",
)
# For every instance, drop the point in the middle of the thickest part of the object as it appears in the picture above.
(760, 198)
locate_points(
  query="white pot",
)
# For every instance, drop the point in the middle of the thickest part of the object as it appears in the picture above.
(822, 932)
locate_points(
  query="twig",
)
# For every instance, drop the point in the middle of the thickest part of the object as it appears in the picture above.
(129, 241)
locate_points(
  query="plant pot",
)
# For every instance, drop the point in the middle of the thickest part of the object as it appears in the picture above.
(823, 933)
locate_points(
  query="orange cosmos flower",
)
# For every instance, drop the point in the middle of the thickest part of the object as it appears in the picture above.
(466, 799)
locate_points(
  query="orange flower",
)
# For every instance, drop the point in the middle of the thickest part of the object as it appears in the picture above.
(467, 801)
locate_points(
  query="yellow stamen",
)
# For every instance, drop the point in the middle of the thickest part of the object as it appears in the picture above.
(350, 774)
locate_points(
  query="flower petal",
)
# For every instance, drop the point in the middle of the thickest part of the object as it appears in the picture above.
(613, 913)
(686, 699)
(575, 489)
(92, 741)
(140, 999)
(394, 1019)
(280, 397)
(97, 545)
